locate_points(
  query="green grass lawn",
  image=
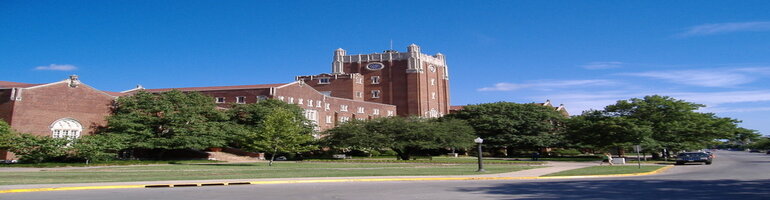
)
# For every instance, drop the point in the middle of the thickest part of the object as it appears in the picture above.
(436, 160)
(243, 171)
(606, 170)
(108, 163)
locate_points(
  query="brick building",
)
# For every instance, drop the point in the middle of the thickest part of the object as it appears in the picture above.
(66, 108)
(360, 87)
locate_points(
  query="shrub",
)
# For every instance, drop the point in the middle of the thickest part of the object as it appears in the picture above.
(388, 152)
(37, 149)
(374, 153)
(566, 152)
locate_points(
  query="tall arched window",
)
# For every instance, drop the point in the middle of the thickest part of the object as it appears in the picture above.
(66, 128)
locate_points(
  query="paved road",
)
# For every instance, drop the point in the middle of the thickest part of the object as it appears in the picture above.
(734, 175)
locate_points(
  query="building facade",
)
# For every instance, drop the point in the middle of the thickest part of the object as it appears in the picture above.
(416, 83)
(360, 87)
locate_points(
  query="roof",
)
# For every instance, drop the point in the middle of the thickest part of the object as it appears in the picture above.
(7, 84)
(213, 88)
(456, 107)
(117, 94)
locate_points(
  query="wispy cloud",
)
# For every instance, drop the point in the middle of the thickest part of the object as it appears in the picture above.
(711, 29)
(546, 84)
(602, 65)
(56, 67)
(707, 77)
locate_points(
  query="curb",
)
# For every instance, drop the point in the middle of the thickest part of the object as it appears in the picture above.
(321, 181)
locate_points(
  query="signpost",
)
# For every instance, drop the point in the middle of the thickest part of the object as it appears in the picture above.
(638, 148)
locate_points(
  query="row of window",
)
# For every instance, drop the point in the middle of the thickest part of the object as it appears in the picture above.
(327, 106)
(238, 99)
(327, 80)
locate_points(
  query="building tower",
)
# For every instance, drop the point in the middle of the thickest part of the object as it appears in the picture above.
(416, 83)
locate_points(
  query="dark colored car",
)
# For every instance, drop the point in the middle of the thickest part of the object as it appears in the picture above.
(703, 157)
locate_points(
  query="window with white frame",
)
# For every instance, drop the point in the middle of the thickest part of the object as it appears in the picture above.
(390, 113)
(280, 98)
(324, 80)
(376, 111)
(291, 100)
(66, 128)
(360, 109)
(433, 81)
(327, 106)
(318, 103)
(344, 119)
(219, 99)
(312, 115)
(375, 94)
(433, 95)
(310, 102)
(344, 108)
(327, 93)
(300, 101)
(240, 100)
(359, 80)
(359, 94)
(261, 97)
(375, 79)
(328, 119)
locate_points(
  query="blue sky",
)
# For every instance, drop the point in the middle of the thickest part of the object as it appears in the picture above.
(584, 54)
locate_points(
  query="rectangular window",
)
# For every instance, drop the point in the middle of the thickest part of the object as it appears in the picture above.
(433, 95)
(344, 108)
(433, 81)
(240, 100)
(328, 119)
(312, 115)
(390, 113)
(375, 94)
(324, 81)
(318, 104)
(300, 101)
(376, 111)
(310, 102)
(359, 80)
(360, 109)
(375, 80)
(359, 94)
(327, 106)
(327, 93)
(220, 99)
(344, 119)
(280, 98)
(291, 100)
(260, 98)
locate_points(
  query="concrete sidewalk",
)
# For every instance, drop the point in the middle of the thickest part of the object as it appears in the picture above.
(550, 167)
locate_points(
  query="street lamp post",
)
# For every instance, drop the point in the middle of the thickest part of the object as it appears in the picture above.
(478, 140)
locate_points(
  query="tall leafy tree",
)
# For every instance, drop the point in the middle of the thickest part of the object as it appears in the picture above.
(675, 124)
(405, 136)
(513, 125)
(593, 129)
(6, 134)
(281, 130)
(169, 120)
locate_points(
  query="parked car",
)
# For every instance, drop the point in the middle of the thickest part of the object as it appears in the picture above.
(754, 151)
(686, 157)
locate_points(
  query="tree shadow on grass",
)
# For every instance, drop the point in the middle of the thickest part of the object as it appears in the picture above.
(631, 189)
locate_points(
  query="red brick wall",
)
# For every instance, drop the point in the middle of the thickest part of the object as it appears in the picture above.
(41, 106)
(230, 95)
(306, 92)
(6, 106)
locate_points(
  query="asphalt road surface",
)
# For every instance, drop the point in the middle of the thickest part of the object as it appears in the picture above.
(734, 175)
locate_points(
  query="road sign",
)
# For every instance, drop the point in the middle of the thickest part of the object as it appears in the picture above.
(637, 148)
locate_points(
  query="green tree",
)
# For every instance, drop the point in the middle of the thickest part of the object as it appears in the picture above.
(37, 149)
(6, 134)
(97, 147)
(405, 136)
(169, 120)
(513, 125)
(593, 129)
(675, 124)
(281, 131)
